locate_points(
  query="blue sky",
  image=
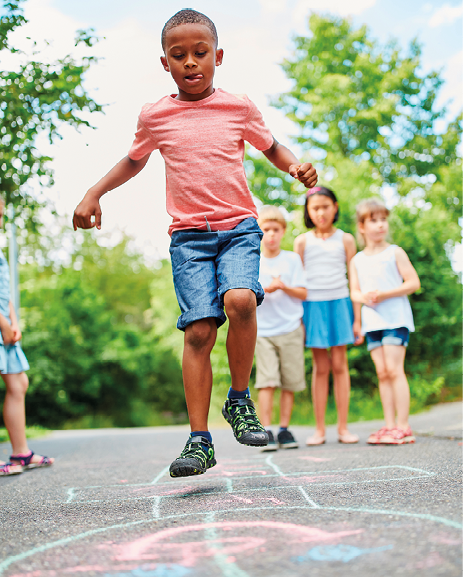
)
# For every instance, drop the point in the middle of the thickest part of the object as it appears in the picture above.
(256, 36)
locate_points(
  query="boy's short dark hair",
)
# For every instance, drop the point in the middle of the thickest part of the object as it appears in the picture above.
(322, 191)
(188, 16)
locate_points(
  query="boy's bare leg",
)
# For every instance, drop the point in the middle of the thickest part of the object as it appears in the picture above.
(265, 400)
(286, 407)
(240, 306)
(199, 340)
(320, 375)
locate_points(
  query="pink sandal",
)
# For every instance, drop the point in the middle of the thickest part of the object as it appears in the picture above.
(398, 437)
(374, 438)
(25, 461)
(10, 469)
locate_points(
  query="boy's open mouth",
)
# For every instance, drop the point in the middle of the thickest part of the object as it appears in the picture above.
(193, 77)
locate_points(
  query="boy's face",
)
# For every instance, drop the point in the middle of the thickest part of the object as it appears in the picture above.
(273, 234)
(191, 57)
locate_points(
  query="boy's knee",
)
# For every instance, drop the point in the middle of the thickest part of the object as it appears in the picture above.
(240, 304)
(201, 334)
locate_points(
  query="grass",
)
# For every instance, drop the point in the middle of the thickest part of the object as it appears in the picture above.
(31, 433)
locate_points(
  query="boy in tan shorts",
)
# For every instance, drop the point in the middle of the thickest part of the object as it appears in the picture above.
(280, 335)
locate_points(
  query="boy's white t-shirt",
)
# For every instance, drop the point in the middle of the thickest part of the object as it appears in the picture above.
(280, 314)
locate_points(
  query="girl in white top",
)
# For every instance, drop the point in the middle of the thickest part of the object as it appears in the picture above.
(329, 320)
(381, 278)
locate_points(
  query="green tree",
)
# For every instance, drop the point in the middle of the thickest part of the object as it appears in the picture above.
(368, 114)
(36, 98)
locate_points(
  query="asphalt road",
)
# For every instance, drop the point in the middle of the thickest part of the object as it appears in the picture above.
(108, 507)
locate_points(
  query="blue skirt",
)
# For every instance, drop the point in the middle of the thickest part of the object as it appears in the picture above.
(328, 323)
(12, 359)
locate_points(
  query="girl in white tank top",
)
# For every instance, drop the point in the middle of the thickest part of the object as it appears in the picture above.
(381, 278)
(329, 320)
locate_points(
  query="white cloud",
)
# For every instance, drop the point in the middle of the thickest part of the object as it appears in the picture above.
(446, 14)
(452, 89)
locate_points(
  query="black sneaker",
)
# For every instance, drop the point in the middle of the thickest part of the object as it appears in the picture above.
(286, 440)
(241, 415)
(272, 445)
(196, 458)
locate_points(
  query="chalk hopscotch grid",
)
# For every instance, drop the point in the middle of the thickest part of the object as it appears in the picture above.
(73, 492)
(233, 570)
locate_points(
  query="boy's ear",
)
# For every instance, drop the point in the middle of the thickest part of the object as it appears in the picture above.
(165, 64)
(218, 57)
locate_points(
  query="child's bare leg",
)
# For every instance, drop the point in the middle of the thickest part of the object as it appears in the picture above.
(341, 383)
(395, 357)
(14, 413)
(386, 391)
(240, 306)
(265, 400)
(286, 407)
(197, 371)
(320, 375)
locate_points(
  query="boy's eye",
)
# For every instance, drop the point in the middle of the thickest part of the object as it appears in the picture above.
(177, 56)
(200, 53)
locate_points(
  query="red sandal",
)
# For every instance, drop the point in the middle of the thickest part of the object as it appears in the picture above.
(374, 438)
(398, 437)
(25, 461)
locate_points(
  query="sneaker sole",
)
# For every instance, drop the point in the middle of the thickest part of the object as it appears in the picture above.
(188, 468)
(269, 449)
(288, 445)
(250, 439)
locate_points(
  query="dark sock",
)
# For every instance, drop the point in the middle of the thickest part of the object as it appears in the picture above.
(232, 394)
(283, 429)
(202, 434)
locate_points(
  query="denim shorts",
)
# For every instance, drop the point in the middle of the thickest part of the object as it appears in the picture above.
(205, 265)
(398, 337)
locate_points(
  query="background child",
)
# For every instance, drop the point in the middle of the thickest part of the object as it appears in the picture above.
(215, 248)
(381, 277)
(328, 316)
(13, 363)
(280, 336)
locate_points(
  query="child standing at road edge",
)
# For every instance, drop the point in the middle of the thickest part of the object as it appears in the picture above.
(381, 278)
(280, 335)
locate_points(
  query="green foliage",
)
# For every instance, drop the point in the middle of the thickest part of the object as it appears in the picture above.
(368, 113)
(36, 98)
(95, 355)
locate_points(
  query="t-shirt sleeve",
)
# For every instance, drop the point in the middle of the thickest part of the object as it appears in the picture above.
(144, 142)
(298, 277)
(256, 132)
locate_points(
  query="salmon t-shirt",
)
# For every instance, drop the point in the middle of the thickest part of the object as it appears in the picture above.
(202, 143)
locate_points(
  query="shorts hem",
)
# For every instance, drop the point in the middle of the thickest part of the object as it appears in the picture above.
(193, 315)
(244, 283)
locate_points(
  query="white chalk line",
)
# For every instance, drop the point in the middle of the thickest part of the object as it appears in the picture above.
(228, 569)
(156, 510)
(308, 499)
(40, 549)
(268, 488)
(279, 474)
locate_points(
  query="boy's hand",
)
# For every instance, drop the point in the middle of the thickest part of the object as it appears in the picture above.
(275, 285)
(89, 207)
(305, 173)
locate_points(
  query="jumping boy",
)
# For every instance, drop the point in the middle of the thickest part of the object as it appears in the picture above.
(280, 336)
(215, 245)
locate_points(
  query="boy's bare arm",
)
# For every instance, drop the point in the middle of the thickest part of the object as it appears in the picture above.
(285, 160)
(90, 206)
